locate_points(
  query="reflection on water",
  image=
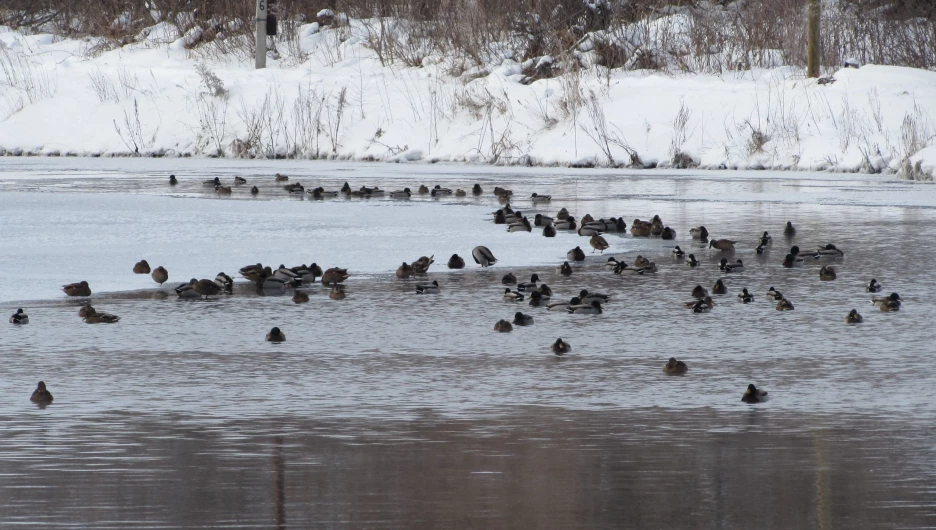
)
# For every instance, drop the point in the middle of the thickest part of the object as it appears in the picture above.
(389, 409)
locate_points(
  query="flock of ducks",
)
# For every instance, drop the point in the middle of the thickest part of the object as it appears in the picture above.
(276, 281)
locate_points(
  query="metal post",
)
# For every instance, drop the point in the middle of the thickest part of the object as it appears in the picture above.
(261, 34)
(812, 39)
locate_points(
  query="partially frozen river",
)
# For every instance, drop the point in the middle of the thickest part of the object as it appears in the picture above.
(393, 410)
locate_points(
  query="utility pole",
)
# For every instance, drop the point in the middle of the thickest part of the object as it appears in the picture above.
(261, 34)
(812, 39)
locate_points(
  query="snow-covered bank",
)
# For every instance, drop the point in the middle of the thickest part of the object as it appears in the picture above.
(153, 98)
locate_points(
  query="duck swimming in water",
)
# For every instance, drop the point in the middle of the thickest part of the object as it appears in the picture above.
(19, 317)
(745, 296)
(275, 335)
(41, 394)
(512, 296)
(674, 367)
(754, 395)
(560, 347)
(873, 286)
(853, 317)
(522, 320)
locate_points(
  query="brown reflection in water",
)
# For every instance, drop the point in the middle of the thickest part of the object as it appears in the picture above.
(536, 468)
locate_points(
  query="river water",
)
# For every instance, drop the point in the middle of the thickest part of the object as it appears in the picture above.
(394, 410)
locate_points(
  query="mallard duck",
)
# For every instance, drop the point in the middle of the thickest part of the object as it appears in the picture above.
(240, 180)
(706, 300)
(19, 317)
(699, 233)
(337, 292)
(509, 279)
(523, 225)
(296, 188)
(563, 306)
(692, 261)
(91, 316)
(404, 271)
(522, 320)
(640, 228)
(737, 266)
(641, 262)
(512, 296)
(141, 267)
(540, 199)
(700, 306)
(254, 190)
(565, 224)
(586, 297)
(668, 233)
(334, 275)
(476, 189)
(586, 309)
(723, 264)
(576, 254)
(754, 395)
(185, 290)
(719, 288)
(589, 231)
(503, 326)
(788, 230)
(790, 261)
(456, 262)
(275, 335)
(562, 214)
(623, 268)
(536, 299)
(530, 285)
(405, 193)
(724, 245)
(160, 275)
(422, 189)
(542, 220)
(212, 182)
(889, 303)
(225, 282)
(891, 297)
(172, 180)
(560, 347)
(252, 272)
(675, 367)
(460, 193)
(549, 231)
(873, 286)
(774, 294)
(699, 292)
(826, 273)
(500, 217)
(829, 251)
(587, 218)
(565, 269)
(598, 243)
(745, 297)
(765, 239)
(41, 394)
(300, 297)
(612, 263)
(439, 191)
(795, 250)
(421, 266)
(428, 288)
(760, 249)
(282, 178)
(205, 287)
(77, 289)
(483, 256)
(853, 317)
(679, 253)
(544, 291)
(784, 305)
(223, 190)
(272, 285)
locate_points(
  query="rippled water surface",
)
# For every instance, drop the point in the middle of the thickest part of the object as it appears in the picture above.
(393, 410)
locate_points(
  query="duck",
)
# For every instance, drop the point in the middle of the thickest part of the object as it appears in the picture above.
(788, 230)
(612, 263)
(723, 264)
(225, 282)
(509, 279)
(791, 261)
(160, 275)
(668, 233)
(423, 189)
(765, 239)
(240, 180)
(184, 290)
(542, 220)
(774, 294)
(737, 266)
(476, 189)
(503, 326)
(300, 297)
(587, 218)
(523, 225)
(530, 285)
(223, 190)
(754, 395)
(598, 243)
(706, 300)
(460, 193)
(272, 285)
(563, 306)
(679, 253)
(701, 306)
(889, 303)
(91, 316)
(589, 231)
(576, 254)
(41, 394)
(623, 268)
(337, 292)
(719, 288)
(77, 289)
(565, 224)
(674, 367)
(320, 193)
(19, 317)
(692, 261)
(334, 275)
(795, 250)
(421, 266)
(308, 274)
(483, 256)
(586, 297)
(282, 178)
(512, 296)
(829, 251)
(254, 190)
(294, 188)
(456, 262)
(562, 214)
(405, 193)
(699, 292)
(873, 286)
(641, 262)
(586, 309)
(204, 287)
(784, 305)
(560, 347)
(745, 297)
(428, 288)
(853, 317)
(545, 291)
(565, 269)
(826, 273)
(500, 218)
(760, 249)
(699, 233)
(549, 231)
(439, 191)
(724, 245)
(212, 182)
(522, 320)
(275, 335)
(540, 199)
(172, 180)
(536, 299)
(640, 228)
(141, 267)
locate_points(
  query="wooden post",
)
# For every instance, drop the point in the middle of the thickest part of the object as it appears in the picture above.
(812, 40)
(261, 34)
